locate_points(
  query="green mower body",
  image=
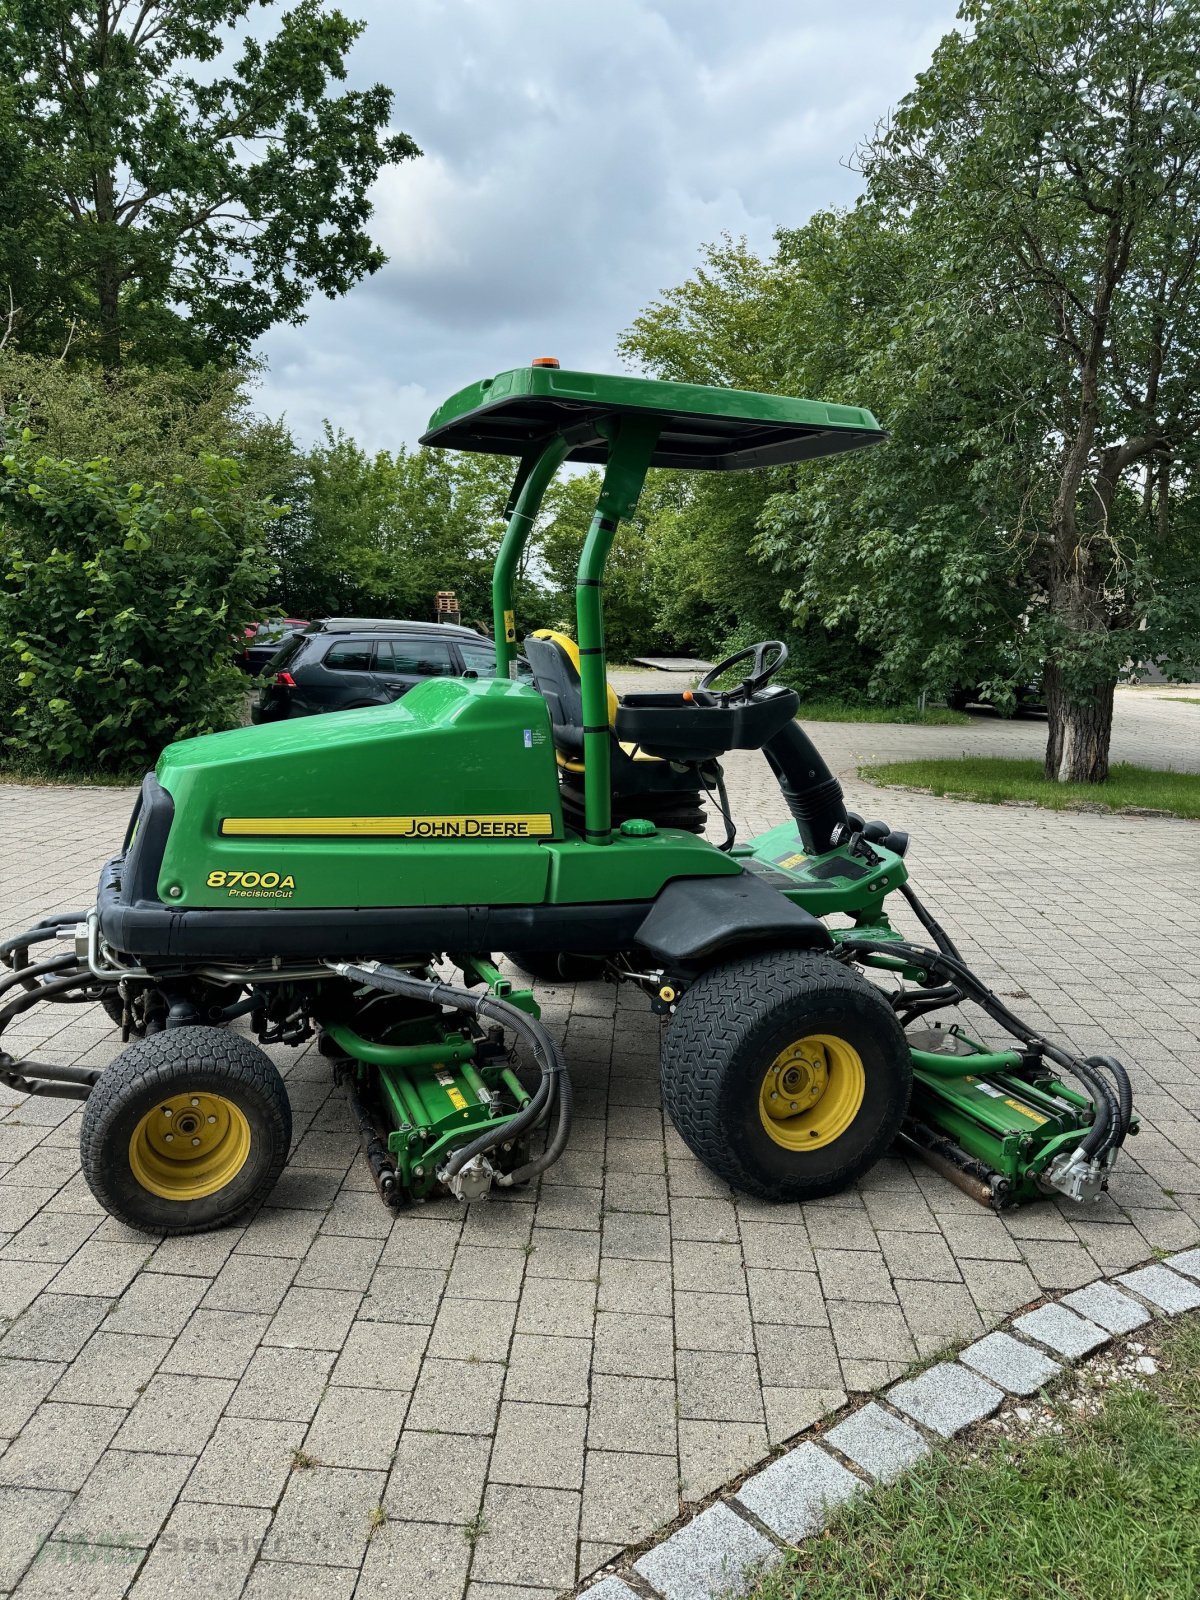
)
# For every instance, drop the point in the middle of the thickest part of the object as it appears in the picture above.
(318, 876)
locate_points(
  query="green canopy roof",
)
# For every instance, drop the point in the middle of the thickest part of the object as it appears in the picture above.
(713, 430)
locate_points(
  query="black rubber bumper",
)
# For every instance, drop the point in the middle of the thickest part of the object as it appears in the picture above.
(152, 931)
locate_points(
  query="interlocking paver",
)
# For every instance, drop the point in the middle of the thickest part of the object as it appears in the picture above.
(719, 1386)
(59, 1446)
(126, 1499)
(1060, 1329)
(1163, 1288)
(877, 1442)
(632, 1414)
(1186, 1261)
(693, 1280)
(229, 1536)
(711, 1453)
(1017, 1367)
(246, 1462)
(93, 1572)
(437, 1477)
(795, 1494)
(457, 1396)
(26, 1517)
(1107, 1307)
(23, 1387)
(282, 1385)
(539, 1444)
(946, 1398)
(529, 1536)
(175, 1413)
(713, 1553)
(325, 1516)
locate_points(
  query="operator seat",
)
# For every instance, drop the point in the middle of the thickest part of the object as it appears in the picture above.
(666, 792)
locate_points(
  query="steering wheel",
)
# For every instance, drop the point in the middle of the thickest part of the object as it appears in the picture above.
(765, 668)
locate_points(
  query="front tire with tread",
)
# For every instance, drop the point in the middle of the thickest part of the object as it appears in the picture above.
(198, 1060)
(728, 1028)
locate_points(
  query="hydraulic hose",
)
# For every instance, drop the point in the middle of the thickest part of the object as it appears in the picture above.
(1111, 1122)
(812, 793)
(39, 934)
(554, 1083)
(930, 923)
(55, 1081)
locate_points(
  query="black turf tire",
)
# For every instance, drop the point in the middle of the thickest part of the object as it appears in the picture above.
(548, 966)
(728, 1028)
(170, 1063)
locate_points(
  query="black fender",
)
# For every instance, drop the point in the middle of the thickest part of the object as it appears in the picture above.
(695, 921)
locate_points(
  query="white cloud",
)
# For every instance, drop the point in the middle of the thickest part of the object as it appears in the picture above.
(576, 157)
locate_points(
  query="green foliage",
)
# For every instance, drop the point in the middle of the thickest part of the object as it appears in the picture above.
(379, 535)
(631, 621)
(177, 180)
(150, 424)
(712, 587)
(119, 605)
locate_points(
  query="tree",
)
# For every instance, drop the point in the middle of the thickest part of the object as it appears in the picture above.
(714, 583)
(165, 201)
(1047, 171)
(379, 535)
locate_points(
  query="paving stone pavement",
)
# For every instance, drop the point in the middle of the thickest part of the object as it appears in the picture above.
(525, 1387)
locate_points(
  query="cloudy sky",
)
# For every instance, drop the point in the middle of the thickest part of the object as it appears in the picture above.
(577, 154)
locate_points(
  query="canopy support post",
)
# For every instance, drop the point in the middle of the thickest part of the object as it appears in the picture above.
(633, 439)
(533, 479)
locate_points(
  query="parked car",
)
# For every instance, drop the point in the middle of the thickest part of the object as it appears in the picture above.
(1030, 699)
(263, 640)
(346, 663)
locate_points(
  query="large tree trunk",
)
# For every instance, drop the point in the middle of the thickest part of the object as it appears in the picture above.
(108, 294)
(1080, 731)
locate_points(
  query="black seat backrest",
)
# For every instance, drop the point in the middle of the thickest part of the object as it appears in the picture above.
(557, 679)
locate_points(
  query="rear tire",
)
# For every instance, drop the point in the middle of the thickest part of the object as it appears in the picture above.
(748, 1036)
(188, 1129)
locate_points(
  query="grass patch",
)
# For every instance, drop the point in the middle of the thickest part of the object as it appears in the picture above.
(1107, 1509)
(988, 778)
(848, 711)
(37, 777)
(1180, 699)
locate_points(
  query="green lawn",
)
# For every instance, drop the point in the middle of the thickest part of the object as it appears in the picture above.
(988, 778)
(848, 711)
(36, 777)
(1180, 699)
(1108, 1509)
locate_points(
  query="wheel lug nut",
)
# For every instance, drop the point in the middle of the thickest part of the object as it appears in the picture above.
(170, 1136)
(212, 1119)
(195, 1141)
(195, 1102)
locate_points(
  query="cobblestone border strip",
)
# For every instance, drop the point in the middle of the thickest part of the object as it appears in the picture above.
(746, 1531)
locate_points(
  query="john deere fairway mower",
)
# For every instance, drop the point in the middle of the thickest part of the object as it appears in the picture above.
(321, 877)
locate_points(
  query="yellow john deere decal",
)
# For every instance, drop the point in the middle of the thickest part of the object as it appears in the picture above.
(525, 825)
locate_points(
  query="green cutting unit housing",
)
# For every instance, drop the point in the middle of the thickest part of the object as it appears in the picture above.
(330, 876)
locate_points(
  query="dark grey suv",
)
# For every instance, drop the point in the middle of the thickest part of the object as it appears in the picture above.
(344, 663)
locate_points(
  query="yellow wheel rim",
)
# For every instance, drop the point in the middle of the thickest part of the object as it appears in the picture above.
(812, 1092)
(189, 1146)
